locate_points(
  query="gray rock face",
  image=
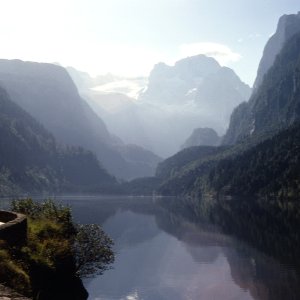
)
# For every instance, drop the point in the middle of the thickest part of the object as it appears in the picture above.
(287, 26)
(241, 124)
(171, 84)
(274, 99)
(202, 137)
(195, 92)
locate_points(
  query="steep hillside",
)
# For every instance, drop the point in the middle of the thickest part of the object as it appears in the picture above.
(178, 174)
(47, 92)
(275, 102)
(271, 168)
(265, 159)
(267, 166)
(288, 25)
(31, 161)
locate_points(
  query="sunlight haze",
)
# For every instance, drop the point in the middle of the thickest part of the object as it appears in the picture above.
(128, 37)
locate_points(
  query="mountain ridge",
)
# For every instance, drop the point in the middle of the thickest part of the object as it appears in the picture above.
(47, 92)
(32, 161)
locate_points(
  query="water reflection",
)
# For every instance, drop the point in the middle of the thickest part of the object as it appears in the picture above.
(166, 251)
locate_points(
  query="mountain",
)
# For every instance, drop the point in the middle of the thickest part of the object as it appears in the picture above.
(160, 114)
(32, 162)
(184, 96)
(269, 169)
(287, 26)
(114, 99)
(170, 84)
(202, 137)
(275, 102)
(195, 92)
(264, 158)
(194, 80)
(47, 93)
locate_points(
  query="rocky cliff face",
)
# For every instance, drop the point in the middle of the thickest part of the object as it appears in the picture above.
(195, 92)
(275, 101)
(287, 26)
(198, 78)
(48, 94)
(170, 84)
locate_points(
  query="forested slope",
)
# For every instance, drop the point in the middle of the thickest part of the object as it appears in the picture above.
(32, 161)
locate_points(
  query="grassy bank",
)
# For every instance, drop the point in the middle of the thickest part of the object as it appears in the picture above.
(56, 255)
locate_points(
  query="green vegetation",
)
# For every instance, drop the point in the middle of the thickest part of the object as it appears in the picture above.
(56, 254)
(265, 161)
(269, 169)
(32, 162)
(12, 271)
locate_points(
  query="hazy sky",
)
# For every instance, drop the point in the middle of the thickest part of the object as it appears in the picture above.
(128, 37)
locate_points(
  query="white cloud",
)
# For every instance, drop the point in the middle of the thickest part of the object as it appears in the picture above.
(254, 36)
(222, 53)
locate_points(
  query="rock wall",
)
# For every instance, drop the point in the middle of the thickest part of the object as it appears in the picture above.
(14, 229)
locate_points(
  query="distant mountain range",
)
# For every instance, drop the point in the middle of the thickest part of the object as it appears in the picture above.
(176, 100)
(260, 154)
(49, 95)
(49, 132)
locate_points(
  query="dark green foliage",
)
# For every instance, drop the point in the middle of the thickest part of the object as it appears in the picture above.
(93, 250)
(268, 166)
(173, 165)
(31, 161)
(57, 251)
(271, 168)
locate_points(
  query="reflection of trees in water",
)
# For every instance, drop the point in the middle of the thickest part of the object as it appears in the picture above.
(270, 229)
(128, 228)
(264, 277)
(190, 221)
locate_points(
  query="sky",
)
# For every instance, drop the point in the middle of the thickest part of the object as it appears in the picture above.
(127, 37)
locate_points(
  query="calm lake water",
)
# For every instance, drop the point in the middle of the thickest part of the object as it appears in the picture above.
(163, 254)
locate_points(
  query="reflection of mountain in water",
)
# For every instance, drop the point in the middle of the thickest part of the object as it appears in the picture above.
(164, 253)
(264, 277)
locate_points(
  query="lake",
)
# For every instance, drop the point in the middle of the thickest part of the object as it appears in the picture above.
(164, 252)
